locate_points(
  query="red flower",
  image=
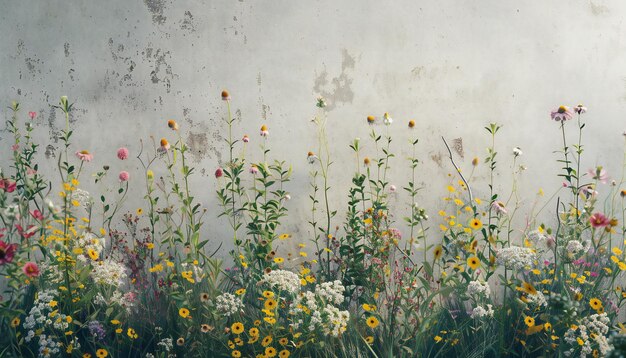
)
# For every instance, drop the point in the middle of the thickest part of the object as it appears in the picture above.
(7, 251)
(219, 173)
(26, 233)
(7, 185)
(599, 220)
(31, 269)
(37, 214)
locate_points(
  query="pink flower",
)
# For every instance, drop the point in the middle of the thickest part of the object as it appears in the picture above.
(28, 233)
(15, 147)
(563, 113)
(598, 174)
(31, 171)
(32, 115)
(245, 139)
(31, 269)
(84, 155)
(8, 185)
(124, 176)
(7, 251)
(254, 169)
(122, 153)
(264, 132)
(392, 188)
(599, 220)
(498, 207)
(219, 172)
(37, 214)
(580, 109)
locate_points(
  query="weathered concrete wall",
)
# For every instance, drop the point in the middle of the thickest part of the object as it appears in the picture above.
(452, 66)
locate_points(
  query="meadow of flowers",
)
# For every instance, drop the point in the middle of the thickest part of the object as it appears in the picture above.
(81, 276)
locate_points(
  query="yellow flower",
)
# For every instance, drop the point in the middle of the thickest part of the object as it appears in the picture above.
(595, 303)
(372, 322)
(284, 236)
(237, 328)
(268, 294)
(253, 331)
(53, 303)
(270, 304)
(547, 326)
(101, 353)
(528, 288)
(267, 341)
(283, 341)
(270, 352)
(183, 312)
(616, 251)
(253, 339)
(303, 254)
(270, 320)
(119, 330)
(86, 355)
(476, 224)
(236, 354)
(284, 353)
(279, 260)
(529, 321)
(438, 339)
(473, 262)
(15, 322)
(93, 254)
(131, 333)
(240, 291)
(150, 245)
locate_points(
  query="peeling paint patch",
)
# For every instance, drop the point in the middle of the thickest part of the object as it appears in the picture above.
(598, 10)
(457, 145)
(162, 71)
(437, 159)
(50, 151)
(198, 145)
(338, 89)
(66, 49)
(156, 8)
(187, 23)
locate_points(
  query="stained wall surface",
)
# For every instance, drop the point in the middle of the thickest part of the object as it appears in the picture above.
(452, 66)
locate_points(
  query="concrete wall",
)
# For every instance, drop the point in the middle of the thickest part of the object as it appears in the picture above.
(453, 66)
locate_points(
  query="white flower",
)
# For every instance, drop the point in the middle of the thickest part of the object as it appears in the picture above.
(283, 279)
(517, 151)
(387, 120)
(480, 312)
(228, 304)
(109, 272)
(516, 257)
(478, 288)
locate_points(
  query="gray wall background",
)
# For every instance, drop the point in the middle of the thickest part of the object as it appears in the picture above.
(452, 66)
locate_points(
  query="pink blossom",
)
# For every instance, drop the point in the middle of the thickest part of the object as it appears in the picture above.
(7, 251)
(37, 214)
(31, 171)
(580, 109)
(32, 115)
(8, 185)
(84, 155)
(219, 172)
(498, 207)
(31, 269)
(245, 139)
(15, 147)
(254, 169)
(598, 174)
(599, 220)
(392, 188)
(122, 153)
(28, 233)
(563, 113)
(124, 176)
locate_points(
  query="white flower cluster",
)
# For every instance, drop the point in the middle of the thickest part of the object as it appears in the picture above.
(83, 198)
(43, 316)
(117, 298)
(480, 312)
(284, 280)
(318, 309)
(89, 241)
(109, 272)
(11, 211)
(536, 237)
(331, 292)
(478, 288)
(228, 304)
(592, 328)
(166, 344)
(538, 299)
(575, 247)
(516, 258)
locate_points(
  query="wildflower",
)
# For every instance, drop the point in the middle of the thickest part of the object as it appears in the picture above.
(372, 322)
(475, 161)
(245, 138)
(529, 321)
(31, 269)
(437, 252)
(237, 328)
(387, 120)
(7, 251)
(93, 254)
(595, 303)
(268, 294)
(172, 124)
(498, 207)
(598, 174)
(225, 95)
(622, 193)
(219, 172)
(473, 262)
(270, 352)
(180, 341)
(476, 224)
(517, 152)
(131, 333)
(392, 188)
(270, 304)
(32, 115)
(438, 339)
(101, 353)
(529, 288)
(165, 145)
(563, 113)
(8, 185)
(15, 322)
(264, 132)
(122, 153)
(279, 260)
(204, 297)
(183, 312)
(150, 175)
(254, 169)
(580, 109)
(366, 161)
(236, 354)
(311, 157)
(371, 119)
(599, 220)
(283, 341)
(284, 353)
(267, 341)
(84, 155)
(124, 176)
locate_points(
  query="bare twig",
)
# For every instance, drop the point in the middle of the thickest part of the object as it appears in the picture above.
(469, 190)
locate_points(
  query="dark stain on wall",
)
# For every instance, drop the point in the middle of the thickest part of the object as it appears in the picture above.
(156, 7)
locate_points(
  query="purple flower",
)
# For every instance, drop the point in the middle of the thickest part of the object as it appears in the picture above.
(562, 114)
(97, 330)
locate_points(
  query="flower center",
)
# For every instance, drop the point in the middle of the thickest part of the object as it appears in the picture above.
(562, 109)
(2, 253)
